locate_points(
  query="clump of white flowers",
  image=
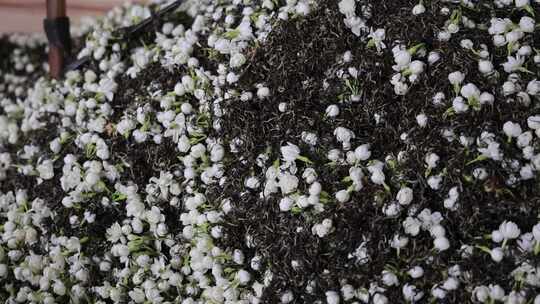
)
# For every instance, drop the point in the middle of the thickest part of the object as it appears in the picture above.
(344, 136)
(357, 24)
(322, 229)
(408, 70)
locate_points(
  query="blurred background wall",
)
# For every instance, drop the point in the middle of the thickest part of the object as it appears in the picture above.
(27, 15)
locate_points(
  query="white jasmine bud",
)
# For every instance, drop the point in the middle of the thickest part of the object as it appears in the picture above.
(526, 24)
(470, 91)
(399, 242)
(416, 272)
(421, 120)
(402, 58)
(323, 228)
(232, 77)
(404, 196)
(55, 145)
(347, 7)
(418, 9)
(509, 230)
(497, 254)
(137, 295)
(59, 288)
(433, 57)
(252, 182)
(512, 129)
(377, 176)
(411, 293)
(441, 243)
(434, 182)
(243, 277)
(3, 270)
(509, 88)
(389, 278)
(344, 136)
(362, 152)
(391, 209)
(179, 89)
(237, 60)
(287, 183)
(342, 196)
(432, 160)
(184, 144)
(285, 204)
(188, 83)
(332, 297)
(290, 152)
(481, 294)
(287, 297)
(263, 92)
(487, 98)
(496, 292)
(282, 107)
(45, 169)
(485, 66)
(444, 35)
(332, 110)
(522, 3)
(536, 232)
(416, 67)
(456, 78)
(467, 44)
(412, 226)
(438, 293)
(451, 284)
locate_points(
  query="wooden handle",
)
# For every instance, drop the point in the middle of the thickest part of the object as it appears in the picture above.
(56, 9)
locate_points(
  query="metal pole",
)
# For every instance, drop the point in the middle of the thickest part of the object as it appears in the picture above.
(56, 9)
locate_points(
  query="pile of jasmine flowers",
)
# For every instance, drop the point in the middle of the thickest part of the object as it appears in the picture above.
(277, 151)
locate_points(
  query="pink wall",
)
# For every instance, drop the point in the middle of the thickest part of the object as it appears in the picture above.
(27, 15)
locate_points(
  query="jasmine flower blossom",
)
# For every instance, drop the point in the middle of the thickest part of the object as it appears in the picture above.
(434, 182)
(419, 9)
(362, 152)
(421, 120)
(485, 67)
(411, 293)
(237, 60)
(509, 230)
(456, 78)
(405, 196)
(332, 111)
(441, 243)
(342, 196)
(322, 229)
(527, 24)
(263, 92)
(497, 254)
(512, 129)
(45, 169)
(402, 59)
(376, 38)
(432, 160)
(347, 7)
(513, 64)
(287, 183)
(344, 136)
(332, 297)
(290, 152)
(470, 92)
